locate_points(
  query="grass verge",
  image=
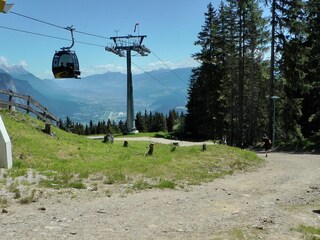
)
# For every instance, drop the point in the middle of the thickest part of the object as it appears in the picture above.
(310, 233)
(67, 158)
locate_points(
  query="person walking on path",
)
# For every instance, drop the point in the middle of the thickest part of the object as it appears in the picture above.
(266, 144)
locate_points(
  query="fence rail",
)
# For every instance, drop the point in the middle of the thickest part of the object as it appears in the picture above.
(31, 105)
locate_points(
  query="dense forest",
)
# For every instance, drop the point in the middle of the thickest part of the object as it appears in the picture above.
(147, 122)
(257, 75)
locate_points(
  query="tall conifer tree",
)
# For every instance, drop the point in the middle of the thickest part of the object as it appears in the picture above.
(293, 66)
(311, 104)
(204, 114)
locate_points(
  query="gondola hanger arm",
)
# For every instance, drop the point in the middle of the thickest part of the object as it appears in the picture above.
(71, 29)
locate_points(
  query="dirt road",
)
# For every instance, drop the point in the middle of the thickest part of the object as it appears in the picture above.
(268, 203)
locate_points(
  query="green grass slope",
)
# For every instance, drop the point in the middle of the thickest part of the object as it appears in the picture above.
(64, 156)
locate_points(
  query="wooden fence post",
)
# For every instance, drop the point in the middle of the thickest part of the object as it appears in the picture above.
(204, 147)
(151, 147)
(47, 128)
(28, 104)
(10, 100)
(174, 146)
(45, 113)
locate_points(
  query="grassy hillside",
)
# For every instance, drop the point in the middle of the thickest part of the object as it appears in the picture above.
(64, 157)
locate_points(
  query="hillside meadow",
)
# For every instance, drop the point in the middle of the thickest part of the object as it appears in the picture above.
(66, 160)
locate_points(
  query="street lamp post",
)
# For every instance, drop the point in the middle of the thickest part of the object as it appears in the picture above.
(274, 98)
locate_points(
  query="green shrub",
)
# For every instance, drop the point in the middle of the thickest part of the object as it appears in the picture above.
(141, 185)
(69, 157)
(3, 202)
(165, 184)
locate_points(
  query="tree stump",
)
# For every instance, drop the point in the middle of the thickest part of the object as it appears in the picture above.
(47, 128)
(125, 143)
(108, 138)
(174, 146)
(204, 147)
(151, 147)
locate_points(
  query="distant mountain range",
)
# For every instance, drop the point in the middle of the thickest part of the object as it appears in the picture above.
(101, 96)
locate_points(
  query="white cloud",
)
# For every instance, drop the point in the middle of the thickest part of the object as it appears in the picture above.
(137, 68)
(45, 75)
(188, 62)
(23, 64)
(3, 61)
(100, 69)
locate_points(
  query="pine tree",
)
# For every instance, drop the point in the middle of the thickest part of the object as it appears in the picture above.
(122, 126)
(292, 66)
(140, 122)
(86, 130)
(115, 127)
(311, 103)
(92, 128)
(228, 97)
(172, 120)
(159, 123)
(68, 124)
(61, 125)
(227, 91)
(203, 105)
(109, 127)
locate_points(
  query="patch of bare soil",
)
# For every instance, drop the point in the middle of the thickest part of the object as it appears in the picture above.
(268, 203)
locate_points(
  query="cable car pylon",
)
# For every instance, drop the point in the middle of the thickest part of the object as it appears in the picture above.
(123, 45)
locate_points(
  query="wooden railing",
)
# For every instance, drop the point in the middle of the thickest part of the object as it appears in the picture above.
(31, 105)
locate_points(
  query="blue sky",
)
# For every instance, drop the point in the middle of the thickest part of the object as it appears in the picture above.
(171, 27)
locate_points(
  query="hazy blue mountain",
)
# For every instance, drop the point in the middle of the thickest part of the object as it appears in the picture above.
(164, 89)
(106, 94)
(101, 96)
(55, 99)
(6, 81)
(13, 70)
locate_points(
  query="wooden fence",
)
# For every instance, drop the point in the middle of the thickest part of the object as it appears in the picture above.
(31, 105)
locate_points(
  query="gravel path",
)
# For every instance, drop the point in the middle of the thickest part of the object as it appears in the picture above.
(268, 203)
